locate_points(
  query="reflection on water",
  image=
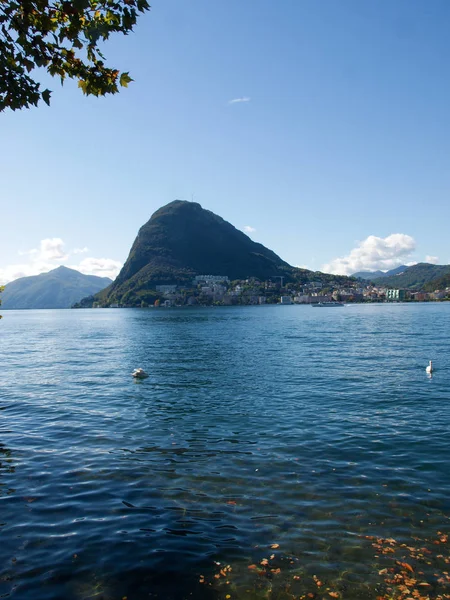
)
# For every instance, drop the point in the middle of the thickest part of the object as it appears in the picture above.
(262, 434)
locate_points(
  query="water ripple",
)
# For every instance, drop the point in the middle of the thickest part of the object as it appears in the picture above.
(308, 428)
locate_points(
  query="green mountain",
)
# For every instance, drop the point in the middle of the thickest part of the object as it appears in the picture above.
(440, 283)
(182, 240)
(59, 288)
(415, 277)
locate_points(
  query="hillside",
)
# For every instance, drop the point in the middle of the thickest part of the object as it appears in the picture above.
(440, 283)
(415, 277)
(59, 288)
(182, 240)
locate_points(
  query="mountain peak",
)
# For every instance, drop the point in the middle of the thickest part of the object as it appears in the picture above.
(371, 275)
(182, 240)
(63, 269)
(60, 288)
(183, 203)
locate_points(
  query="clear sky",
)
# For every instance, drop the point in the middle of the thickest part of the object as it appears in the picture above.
(341, 137)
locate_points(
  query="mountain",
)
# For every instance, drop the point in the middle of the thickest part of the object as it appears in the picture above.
(371, 275)
(415, 277)
(59, 288)
(440, 283)
(182, 240)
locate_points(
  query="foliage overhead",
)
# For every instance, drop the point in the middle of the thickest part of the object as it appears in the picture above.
(63, 37)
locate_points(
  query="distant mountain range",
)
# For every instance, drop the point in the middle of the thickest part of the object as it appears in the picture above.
(422, 276)
(371, 275)
(182, 240)
(60, 288)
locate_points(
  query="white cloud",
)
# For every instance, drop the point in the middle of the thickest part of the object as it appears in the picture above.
(374, 253)
(49, 249)
(50, 255)
(237, 100)
(102, 267)
(11, 272)
(431, 259)
(52, 249)
(249, 229)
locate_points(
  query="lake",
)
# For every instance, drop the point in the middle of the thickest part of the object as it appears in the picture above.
(274, 452)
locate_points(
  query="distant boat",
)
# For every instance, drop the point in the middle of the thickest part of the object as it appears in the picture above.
(323, 304)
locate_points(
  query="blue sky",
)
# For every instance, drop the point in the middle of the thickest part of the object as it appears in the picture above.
(341, 142)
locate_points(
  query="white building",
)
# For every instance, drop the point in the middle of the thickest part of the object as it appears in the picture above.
(208, 279)
(166, 289)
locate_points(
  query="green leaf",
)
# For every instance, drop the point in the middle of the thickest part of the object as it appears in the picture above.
(143, 5)
(80, 5)
(63, 38)
(46, 97)
(40, 62)
(125, 79)
(29, 64)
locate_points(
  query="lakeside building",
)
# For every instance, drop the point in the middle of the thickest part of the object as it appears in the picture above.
(395, 295)
(437, 295)
(311, 299)
(420, 296)
(219, 290)
(229, 300)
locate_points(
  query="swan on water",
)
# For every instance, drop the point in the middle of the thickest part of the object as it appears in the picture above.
(429, 369)
(139, 373)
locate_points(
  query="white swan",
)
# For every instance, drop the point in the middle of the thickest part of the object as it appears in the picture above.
(429, 369)
(139, 374)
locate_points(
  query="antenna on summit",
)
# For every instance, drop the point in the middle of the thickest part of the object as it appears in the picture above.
(192, 197)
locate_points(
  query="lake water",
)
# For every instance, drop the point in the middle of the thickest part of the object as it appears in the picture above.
(273, 440)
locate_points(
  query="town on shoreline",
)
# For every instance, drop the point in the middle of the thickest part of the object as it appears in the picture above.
(218, 290)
